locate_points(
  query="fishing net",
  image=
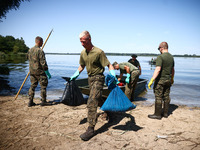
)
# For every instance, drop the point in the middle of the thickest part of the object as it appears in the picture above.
(72, 95)
(116, 101)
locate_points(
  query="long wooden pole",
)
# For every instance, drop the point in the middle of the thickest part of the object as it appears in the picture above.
(29, 71)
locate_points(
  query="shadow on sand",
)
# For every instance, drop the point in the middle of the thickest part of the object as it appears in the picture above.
(114, 119)
(172, 107)
(140, 99)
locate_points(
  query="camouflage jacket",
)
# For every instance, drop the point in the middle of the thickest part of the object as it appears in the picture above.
(37, 61)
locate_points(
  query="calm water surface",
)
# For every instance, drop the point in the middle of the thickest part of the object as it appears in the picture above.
(185, 90)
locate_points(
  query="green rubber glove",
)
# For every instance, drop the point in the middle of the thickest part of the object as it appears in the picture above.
(75, 75)
(127, 77)
(48, 74)
(112, 72)
(150, 83)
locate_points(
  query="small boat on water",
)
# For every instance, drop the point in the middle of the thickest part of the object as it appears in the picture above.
(152, 61)
(84, 87)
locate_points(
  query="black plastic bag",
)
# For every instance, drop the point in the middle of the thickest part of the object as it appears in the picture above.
(72, 95)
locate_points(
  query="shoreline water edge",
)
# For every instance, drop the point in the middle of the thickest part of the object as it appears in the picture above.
(185, 90)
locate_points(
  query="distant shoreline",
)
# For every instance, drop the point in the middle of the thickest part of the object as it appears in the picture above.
(4, 56)
(127, 54)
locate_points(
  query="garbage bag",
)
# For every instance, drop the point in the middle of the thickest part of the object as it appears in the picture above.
(111, 81)
(72, 95)
(117, 101)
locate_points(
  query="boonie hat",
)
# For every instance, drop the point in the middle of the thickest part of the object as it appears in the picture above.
(134, 55)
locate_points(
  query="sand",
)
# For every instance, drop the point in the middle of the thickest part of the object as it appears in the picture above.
(58, 127)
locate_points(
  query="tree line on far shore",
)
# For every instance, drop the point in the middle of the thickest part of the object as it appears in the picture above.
(9, 44)
(128, 54)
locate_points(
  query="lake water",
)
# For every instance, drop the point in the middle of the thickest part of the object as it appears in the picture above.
(185, 90)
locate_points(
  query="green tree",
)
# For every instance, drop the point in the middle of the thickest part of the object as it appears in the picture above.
(10, 44)
(3, 45)
(6, 5)
(15, 49)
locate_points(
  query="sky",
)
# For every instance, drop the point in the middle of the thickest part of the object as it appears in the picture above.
(116, 26)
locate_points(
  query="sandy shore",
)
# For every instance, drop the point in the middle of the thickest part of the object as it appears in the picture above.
(57, 127)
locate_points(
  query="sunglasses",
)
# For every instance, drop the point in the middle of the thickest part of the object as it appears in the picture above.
(159, 48)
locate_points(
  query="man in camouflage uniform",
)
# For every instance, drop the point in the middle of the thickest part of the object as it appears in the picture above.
(132, 77)
(135, 62)
(164, 78)
(95, 60)
(38, 71)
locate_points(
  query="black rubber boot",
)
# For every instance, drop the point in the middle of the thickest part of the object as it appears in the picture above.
(157, 114)
(166, 108)
(88, 134)
(31, 103)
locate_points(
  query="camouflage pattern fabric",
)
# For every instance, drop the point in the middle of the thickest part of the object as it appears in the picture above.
(37, 66)
(43, 81)
(96, 86)
(162, 91)
(37, 61)
(130, 88)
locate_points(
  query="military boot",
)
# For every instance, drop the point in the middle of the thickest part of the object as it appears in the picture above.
(44, 103)
(88, 134)
(31, 103)
(157, 114)
(166, 108)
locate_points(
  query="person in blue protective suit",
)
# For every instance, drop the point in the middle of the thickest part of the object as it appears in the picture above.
(95, 61)
(132, 76)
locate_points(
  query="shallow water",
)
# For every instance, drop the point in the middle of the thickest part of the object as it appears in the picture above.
(185, 90)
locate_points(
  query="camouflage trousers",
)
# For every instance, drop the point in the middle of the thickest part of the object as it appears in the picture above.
(130, 88)
(162, 91)
(43, 81)
(95, 98)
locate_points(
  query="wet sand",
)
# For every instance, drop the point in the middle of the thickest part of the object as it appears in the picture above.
(58, 127)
